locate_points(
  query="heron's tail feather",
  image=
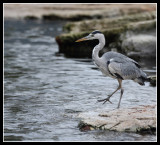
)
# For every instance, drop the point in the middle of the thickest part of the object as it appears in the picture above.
(140, 80)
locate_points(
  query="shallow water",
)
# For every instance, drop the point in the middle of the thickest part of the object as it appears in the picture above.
(44, 92)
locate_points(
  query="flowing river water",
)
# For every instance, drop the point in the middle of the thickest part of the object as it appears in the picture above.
(44, 92)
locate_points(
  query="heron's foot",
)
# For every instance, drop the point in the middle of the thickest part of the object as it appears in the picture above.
(105, 100)
(109, 95)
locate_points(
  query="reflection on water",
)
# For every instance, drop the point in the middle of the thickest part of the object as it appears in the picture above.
(43, 92)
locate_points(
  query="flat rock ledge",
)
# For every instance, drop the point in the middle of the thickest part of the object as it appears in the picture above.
(141, 119)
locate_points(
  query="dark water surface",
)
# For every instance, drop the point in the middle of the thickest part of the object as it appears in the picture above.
(43, 92)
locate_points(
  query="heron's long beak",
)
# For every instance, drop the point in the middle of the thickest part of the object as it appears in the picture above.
(83, 39)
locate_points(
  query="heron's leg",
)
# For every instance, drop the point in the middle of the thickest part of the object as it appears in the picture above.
(107, 99)
(122, 90)
(120, 85)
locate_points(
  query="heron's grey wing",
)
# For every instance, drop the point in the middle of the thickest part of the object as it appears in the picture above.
(135, 62)
(112, 54)
(123, 69)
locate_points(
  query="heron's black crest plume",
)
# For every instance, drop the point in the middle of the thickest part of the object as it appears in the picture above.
(96, 31)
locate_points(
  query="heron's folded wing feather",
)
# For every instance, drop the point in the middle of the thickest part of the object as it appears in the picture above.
(120, 57)
(123, 69)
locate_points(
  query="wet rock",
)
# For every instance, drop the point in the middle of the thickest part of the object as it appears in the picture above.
(152, 80)
(140, 45)
(70, 48)
(140, 119)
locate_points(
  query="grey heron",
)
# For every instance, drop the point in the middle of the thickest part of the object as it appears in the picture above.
(114, 65)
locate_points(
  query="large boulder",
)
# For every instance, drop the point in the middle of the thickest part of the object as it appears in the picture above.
(141, 119)
(140, 45)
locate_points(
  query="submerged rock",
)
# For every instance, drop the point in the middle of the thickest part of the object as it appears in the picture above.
(141, 119)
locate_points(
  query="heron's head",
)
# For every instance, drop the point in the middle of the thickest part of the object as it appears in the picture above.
(94, 35)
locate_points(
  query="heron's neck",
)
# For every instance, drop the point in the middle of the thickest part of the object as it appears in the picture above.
(97, 48)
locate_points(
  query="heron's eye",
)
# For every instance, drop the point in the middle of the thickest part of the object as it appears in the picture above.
(92, 35)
